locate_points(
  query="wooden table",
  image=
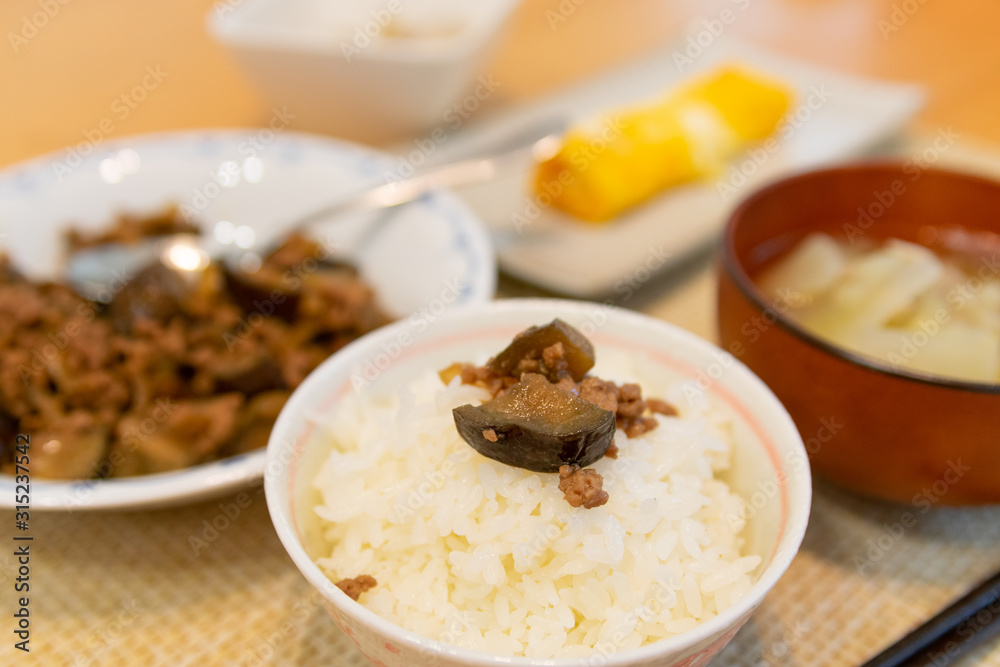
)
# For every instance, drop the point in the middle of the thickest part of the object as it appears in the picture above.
(127, 588)
(61, 79)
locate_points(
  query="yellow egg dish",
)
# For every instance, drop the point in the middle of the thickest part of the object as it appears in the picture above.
(690, 134)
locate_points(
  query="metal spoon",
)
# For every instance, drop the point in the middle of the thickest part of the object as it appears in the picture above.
(94, 272)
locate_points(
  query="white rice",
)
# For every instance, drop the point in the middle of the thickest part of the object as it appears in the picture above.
(478, 554)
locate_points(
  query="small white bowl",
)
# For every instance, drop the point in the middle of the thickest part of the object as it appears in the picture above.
(770, 467)
(333, 65)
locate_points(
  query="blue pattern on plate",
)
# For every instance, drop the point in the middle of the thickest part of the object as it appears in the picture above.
(289, 148)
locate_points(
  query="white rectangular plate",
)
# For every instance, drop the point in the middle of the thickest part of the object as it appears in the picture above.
(834, 117)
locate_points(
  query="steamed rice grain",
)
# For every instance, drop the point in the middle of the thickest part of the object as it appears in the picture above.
(474, 553)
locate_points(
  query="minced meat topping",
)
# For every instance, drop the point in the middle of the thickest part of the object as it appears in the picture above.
(354, 587)
(583, 487)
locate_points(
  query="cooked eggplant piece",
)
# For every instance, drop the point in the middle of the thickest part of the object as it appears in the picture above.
(283, 275)
(249, 290)
(156, 293)
(191, 432)
(8, 274)
(256, 421)
(537, 426)
(71, 448)
(556, 350)
(248, 374)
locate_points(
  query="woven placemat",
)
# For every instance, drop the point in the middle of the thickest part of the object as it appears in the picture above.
(169, 588)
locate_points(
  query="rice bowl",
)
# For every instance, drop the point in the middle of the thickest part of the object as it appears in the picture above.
(482, 563)
(478, 554)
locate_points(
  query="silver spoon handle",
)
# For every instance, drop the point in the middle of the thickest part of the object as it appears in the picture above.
(450, 174)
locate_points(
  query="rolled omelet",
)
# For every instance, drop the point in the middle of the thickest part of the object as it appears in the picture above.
(601, 171)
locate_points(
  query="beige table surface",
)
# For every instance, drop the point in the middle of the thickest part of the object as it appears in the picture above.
(129, 588)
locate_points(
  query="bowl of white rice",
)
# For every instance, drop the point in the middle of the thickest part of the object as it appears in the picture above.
(477, 562)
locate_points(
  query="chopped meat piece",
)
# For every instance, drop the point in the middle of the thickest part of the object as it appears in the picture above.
(482, 376)
(638, 425)
(630, 392)
(630, 403)
(601, 393)
(582, 487)
(356, 586)
(660, 406)
(554, 358)
(567, 384)
(490, 435)
(631, 411)
(612, 452)
(470, 374)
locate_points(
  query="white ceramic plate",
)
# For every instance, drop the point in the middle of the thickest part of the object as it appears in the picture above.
(430, 254)
(838, 117)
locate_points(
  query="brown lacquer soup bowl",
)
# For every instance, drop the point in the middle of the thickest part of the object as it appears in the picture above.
(869, 426)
